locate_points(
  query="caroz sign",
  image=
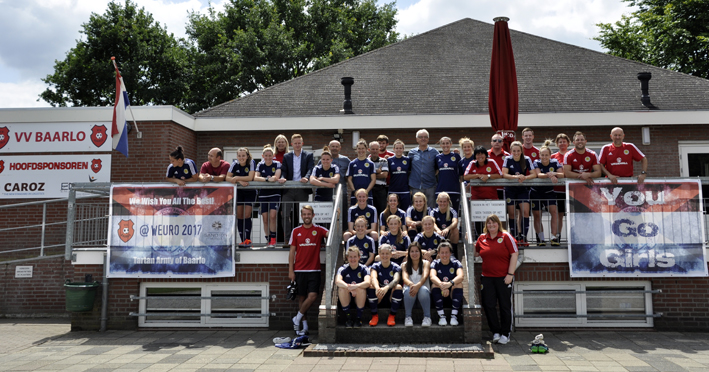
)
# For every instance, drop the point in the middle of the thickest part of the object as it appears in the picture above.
(55, 137)
(653, 229)
(49, 176)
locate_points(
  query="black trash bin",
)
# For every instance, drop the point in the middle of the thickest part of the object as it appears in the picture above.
(80, 296)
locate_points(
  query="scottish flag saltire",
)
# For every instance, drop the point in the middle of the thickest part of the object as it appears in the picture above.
(119, 128)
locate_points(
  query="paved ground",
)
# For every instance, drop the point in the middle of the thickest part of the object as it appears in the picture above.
(31, 345)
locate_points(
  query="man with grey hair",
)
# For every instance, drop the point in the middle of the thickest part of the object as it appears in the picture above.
(423, 171)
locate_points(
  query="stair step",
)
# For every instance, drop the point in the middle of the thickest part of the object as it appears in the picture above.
(399, 334)
(433, 350)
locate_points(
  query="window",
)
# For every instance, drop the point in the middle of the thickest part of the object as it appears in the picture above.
(185, 305)
(583, 304)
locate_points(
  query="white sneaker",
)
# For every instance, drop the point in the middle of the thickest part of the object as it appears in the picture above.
(408, 322)
(296, 325)
(281, 340)
(454, 320)
(426, 322)
(442, 321)
(495, 338)
(503, 340)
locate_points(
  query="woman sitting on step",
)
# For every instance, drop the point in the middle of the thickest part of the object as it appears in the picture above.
(447, 280)
(352, 281)
(415, 273)
(385, 276)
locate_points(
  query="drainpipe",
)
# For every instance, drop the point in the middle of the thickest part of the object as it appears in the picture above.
(104, 294)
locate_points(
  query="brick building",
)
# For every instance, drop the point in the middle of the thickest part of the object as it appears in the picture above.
(436, 80)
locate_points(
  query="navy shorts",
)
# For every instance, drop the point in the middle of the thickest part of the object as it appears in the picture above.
(404, 201)
(561, 202)
(516, 195)
(272, 202)
(542, 200)
(245, 196)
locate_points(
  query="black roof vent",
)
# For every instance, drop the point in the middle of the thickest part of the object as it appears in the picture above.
(644, 78)
(347, 105)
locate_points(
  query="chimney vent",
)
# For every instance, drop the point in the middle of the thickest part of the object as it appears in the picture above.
(347, 104)
(644, 78)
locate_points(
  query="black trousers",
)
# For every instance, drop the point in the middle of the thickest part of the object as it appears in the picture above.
(495, 292)
(379, 193)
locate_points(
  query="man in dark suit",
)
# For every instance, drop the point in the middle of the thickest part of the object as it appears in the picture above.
(297, 166)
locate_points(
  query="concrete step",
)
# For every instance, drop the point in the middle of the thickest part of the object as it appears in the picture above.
(401, 350)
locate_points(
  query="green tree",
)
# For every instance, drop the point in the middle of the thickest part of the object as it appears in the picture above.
(152, 62)
(672, 34)
(253, 44)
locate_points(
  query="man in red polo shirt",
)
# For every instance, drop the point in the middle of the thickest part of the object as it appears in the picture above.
(304, 264)
(581, 163)
(215, 168)
(617, 158)
(528, 144)
(497, 154)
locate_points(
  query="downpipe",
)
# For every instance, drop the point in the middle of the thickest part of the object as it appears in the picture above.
(104, 295)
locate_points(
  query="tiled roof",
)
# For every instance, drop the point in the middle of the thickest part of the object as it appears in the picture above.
(446, 71)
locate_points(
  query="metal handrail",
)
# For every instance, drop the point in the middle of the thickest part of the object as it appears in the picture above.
(563, 181)
(216, 315)
(469, 246)
(656, 315)
(332, 248)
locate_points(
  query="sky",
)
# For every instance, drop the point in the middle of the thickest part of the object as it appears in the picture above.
(36, 33)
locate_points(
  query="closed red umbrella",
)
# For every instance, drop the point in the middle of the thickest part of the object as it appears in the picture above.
(503, 101)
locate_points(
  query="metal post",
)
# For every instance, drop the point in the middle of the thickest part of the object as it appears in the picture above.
(332, 247)
(104, 294)
(44, 224)
(70, 217)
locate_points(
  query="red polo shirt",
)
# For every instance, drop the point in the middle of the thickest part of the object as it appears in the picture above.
(581, 163)
(496, 253)
(619, 160)
(486, 192)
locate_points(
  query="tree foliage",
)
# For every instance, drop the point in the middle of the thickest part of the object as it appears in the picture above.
(672, 34)
(253, 44)
(152, 62)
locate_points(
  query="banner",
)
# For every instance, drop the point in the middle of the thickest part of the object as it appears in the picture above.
(49, 176)
(630, 230)
(171, 232)
(55, 137)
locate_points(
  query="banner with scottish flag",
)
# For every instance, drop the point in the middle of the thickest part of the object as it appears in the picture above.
(630, 230)
(171, 232)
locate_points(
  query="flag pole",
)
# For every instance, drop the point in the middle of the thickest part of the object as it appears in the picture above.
(130, 107)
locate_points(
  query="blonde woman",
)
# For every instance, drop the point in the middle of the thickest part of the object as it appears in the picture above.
(269, 170)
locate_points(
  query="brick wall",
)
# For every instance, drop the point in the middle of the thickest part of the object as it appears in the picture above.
(39, 296)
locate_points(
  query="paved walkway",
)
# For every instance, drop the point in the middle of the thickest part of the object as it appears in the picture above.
(32, 345)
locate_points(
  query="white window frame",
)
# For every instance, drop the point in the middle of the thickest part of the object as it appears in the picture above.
(256, 151)
(205, 308)
(581, 308)
(690, 147)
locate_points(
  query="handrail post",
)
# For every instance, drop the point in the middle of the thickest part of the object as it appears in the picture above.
(469, 247)
(44, 225)
(332, 239)
(70, 217)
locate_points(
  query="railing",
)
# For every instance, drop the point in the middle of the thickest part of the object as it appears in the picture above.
(333, 250)
(545, 216)
(47, 230)
(87, 224)
(469, 244)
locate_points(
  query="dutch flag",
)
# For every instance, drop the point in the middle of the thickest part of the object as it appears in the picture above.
(119, 128)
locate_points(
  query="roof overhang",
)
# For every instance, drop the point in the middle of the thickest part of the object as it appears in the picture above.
(351, 122)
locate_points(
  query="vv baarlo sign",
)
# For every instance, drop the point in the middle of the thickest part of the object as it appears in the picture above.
(630, 230)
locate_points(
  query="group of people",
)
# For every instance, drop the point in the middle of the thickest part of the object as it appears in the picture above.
(407, 206)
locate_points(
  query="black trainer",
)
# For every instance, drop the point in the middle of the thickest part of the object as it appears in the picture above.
(358, 323)
(349, 323)
(540, 242)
